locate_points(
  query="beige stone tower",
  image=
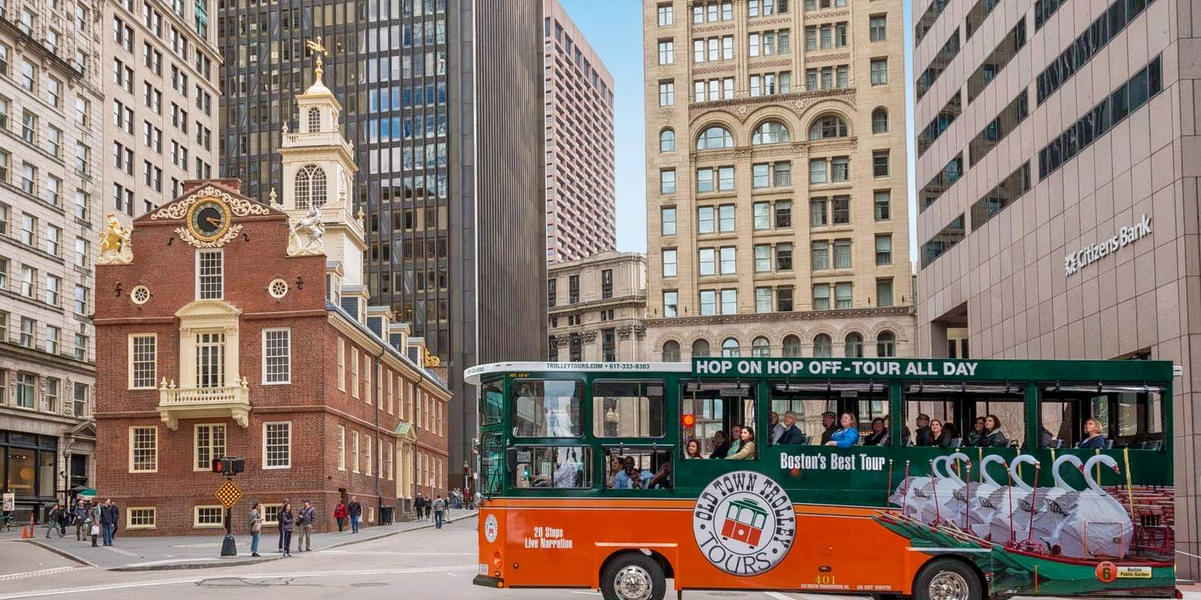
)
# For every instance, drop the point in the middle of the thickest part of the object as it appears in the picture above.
(777, 219)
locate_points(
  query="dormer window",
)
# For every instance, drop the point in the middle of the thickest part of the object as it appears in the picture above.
(314, 120)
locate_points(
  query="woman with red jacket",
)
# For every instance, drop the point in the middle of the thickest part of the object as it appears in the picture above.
(340, 513)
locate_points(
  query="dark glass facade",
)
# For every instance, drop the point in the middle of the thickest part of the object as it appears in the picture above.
(443, 102)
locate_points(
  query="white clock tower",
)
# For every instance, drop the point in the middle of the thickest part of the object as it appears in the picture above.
(318, 169)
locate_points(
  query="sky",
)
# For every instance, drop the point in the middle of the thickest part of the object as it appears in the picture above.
(614, 30)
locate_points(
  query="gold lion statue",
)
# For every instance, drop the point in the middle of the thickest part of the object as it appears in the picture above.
(115, 244)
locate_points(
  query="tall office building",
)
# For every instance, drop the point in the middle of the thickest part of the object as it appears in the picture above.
(580, 196)
(1058, 194)
(161, 63)
(776, 186)
(51, 168)
(443, 108)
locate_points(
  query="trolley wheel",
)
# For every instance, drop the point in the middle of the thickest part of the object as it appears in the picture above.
(890, 596)
(633, 576)
(948, 579)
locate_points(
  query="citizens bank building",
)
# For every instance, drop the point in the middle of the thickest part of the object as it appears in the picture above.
(1057, 171)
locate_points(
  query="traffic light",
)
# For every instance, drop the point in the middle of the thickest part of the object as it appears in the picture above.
(228, 465)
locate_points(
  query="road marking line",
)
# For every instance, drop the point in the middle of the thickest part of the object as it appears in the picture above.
(28, 574)
(187, 580)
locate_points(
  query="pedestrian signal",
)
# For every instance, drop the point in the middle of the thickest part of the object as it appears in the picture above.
(229, 465)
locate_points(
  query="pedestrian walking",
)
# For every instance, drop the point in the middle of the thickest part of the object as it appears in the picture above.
(356, 512)
(286, 524)
(340, 514)
(79, 517)
(279, 524)
(53, 519)
(305, 520)
(439, 510)
(109, 516)
(94, 521)
(256, 528)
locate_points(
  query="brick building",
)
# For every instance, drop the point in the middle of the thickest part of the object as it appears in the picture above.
(241, 328)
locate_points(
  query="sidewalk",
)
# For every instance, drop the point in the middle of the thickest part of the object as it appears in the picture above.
(198, 552)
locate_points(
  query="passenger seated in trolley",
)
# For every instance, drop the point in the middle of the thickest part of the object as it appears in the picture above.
(1095, 439)
(847, 435)
(747, 449)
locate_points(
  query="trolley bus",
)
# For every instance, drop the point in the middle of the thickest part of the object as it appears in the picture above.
(609, 476)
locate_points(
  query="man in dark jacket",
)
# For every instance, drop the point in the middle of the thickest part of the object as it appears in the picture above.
(280, 526)
(922, 436)
(356, 513)
(792, 435)
(304, 521)
(109, 516)
(829, 426)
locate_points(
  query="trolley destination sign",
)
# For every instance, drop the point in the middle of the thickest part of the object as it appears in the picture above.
(990, 370)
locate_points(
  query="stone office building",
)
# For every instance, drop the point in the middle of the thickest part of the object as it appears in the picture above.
(597, 307)
(1058, 189)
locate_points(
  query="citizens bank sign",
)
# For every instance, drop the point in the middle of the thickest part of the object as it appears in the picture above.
(1090, 254)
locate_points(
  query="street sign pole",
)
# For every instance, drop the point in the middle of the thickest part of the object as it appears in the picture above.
(229, 546)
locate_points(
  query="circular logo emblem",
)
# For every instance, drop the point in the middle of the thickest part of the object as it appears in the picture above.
(491, 528)
(1107, 572)
(744, 523)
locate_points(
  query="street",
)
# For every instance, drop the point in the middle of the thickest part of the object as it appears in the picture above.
(425, 563)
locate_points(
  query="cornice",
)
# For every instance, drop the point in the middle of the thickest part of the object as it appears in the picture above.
(779, 317)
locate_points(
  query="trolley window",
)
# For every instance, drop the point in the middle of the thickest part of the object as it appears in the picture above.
(638, 468)
(964, 411)
(1131, 416)
(710, 410)
(492, 402)
(815, 408)
(628, 409)
(547, 408)
(561, 467)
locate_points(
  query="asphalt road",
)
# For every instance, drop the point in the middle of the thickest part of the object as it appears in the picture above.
(419, 564)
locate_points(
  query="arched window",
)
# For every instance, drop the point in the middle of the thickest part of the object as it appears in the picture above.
(880, 120)
(771, 132)
(792, 346)
(715, 137)
(729, 348)
(886, 344)
(314, 119)
(700, 348)
(760, 347)
(828, 127)
(854, 344)
(671, 351)
(310, 187)
(823, 347)
(667, 140)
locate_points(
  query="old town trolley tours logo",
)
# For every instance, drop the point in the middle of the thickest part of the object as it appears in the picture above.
(744, 523)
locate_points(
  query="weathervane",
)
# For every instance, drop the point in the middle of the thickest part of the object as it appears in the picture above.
(317, 48)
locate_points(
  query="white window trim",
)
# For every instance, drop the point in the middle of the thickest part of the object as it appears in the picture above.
(355, 452)
(287, 466)
(278, 507)
(131, 448)
(196, 445)
(341, 448)
(196, 276)
(129, 368)
(341, 364)
(263, 361)
(129, 517)
(196, 517)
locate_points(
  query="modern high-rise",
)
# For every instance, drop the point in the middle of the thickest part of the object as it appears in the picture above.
(443, 109)
(52, 165)
(1057, 170)
(161, 67)
(777, 220)
(580, 195)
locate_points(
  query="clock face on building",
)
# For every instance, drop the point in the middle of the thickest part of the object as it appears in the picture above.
(208, 219)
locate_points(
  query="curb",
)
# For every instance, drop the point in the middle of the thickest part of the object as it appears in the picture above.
(61, 552)
(237, 562)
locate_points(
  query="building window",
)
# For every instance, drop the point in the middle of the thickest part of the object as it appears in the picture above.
(884, 249)
(666, 52)
(819, 255)
(210, 444)
(792, 346)
(880, 120)
(208, 516)
(854, 345)
(700, 348)
(667, 140)
(877, 27)
(277, 445)
(770, 132)
(828, 127)
(784, 256)
(669, 262)
(886, 344)
(708, 302)
(762, 258)
(314, 119)
(608, 345)
(729, 302)
(843, 295)
(714, 137)
(310, 187)
(665, 15)
(763, 300)
(671, 351)
(879, 70)
(884, 292)
(671, 304)
(143, 449)
(143, 361)
(880, 163)
(573, 289)
(81, 400)
(821, 296)
(667, 220)
(667, 181)
(210, 274)
(210, 360)
(729, 348)
(277, 355)
(784, 298)
(823, 347)
(667, 93)
(607, 283)
(141, 517)
(880, 202)
(26, 387)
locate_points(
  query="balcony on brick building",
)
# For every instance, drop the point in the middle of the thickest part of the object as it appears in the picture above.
(231, 401)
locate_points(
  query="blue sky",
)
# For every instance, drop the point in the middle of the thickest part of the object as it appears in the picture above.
(614, 29)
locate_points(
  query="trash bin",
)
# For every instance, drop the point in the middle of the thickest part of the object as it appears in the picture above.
(385, 515)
